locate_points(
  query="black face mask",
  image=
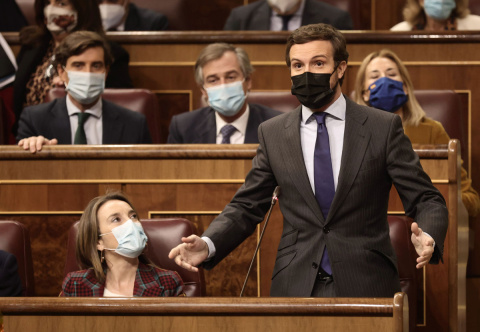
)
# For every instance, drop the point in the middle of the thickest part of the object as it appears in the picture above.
(313, 90)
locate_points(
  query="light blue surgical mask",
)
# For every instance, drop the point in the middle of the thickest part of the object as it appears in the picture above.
(85, 87)
(439, 9)
(227, 99)
(131, 239)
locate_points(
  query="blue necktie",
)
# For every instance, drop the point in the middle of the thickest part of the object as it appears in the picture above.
(226, 132)
(323, 176)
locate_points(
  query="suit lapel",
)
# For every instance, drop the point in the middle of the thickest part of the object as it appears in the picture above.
(261, 17)
(355, 144)
(61, 121)
(254, 120)
(112, 127)
(293, 159)
(208, 129)
(132, 21)
(308, 16)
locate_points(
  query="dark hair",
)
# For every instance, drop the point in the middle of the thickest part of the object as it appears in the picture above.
(320, 31)
(78, 42)
(88, 234)
(88, 18)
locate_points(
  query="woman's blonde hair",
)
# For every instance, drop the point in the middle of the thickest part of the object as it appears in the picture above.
(414, 13)
(86, 250)
(412, 111)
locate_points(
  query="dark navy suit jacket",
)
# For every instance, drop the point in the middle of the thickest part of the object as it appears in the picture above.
(10, 283)
(142, 19)
(256, 16)
(120, 125)
(199, 126)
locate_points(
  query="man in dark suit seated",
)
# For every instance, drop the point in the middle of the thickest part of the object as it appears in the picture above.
(10, 283)
(121, 15)
(82, 61)
(276, 15)
(223, 73)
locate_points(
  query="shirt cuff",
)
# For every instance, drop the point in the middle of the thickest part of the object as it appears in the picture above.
(211, 247)
(431, 238)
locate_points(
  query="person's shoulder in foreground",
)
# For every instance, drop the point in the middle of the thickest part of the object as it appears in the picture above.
(10, 283)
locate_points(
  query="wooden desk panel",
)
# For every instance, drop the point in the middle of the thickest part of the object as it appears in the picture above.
(195, 182)
(205, 314)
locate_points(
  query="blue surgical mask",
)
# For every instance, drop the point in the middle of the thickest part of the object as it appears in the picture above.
(227, 99)
(387, 94)
(439, 9)
(85, 87)
(131, 239)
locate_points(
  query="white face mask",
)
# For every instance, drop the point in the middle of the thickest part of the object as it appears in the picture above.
(60, 19)
(85, 87)
(283, 5)
(227, 99)
(131, 239)
(112, 15)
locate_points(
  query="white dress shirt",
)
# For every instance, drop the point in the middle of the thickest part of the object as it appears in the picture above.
(276, 22)
(335, 123)
(238, 136)
(93, 126)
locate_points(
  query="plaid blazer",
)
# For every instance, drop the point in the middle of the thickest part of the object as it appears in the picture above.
(149, 281)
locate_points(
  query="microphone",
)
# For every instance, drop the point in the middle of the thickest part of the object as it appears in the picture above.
(275, 195)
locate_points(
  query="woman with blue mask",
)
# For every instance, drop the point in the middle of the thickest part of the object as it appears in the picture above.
(437, 15)
(383, 82)
(109, 246)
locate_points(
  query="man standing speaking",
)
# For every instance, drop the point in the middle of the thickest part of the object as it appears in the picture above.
(336, 162)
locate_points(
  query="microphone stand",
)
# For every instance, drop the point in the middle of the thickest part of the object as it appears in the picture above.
(275, 195)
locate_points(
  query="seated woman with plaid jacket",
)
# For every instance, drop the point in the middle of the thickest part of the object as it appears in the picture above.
(110, 244)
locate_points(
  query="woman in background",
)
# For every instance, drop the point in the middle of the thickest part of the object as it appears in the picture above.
(109, 247)
(437, 15)
(383, 82)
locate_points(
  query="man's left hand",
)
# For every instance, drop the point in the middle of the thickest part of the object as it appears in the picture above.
(423, 244)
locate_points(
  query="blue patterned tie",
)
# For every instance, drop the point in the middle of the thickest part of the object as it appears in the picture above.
(226, 132)
(323, 175)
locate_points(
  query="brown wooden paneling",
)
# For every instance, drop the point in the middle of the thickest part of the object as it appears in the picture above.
(195, 182)
(205, 314)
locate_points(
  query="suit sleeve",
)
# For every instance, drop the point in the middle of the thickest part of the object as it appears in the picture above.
(173, 134)
(421, 200)
(344, 22)
(146, 137)
(25, 126)
(233, 22)
(10, 283)
(161, 23)
(247, 208)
